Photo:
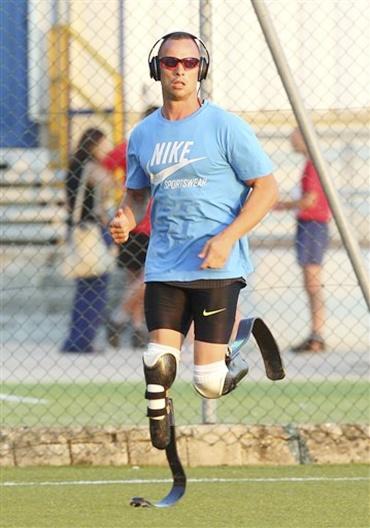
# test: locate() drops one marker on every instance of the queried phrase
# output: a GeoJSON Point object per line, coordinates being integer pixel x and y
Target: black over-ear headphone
{"type": "Point", "coordinates": [154, 67]}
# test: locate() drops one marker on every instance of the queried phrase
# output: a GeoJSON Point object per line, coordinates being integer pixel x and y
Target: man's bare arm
{"type": "Point", "coordinates": [262, 198]}
{"type": "Point", "coordinates": [134, 205]}
{"type": "Point", "coordinates": [130, 212]}
{"type": "Point", "coordinates": [260, 201]}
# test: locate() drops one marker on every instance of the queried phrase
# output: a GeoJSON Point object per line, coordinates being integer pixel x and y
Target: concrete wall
{"type": "Point", "coordinates": [201, 445]}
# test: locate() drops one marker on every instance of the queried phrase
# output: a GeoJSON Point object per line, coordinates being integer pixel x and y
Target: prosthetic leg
{"type": "Point", "coordinates": [266, 343]}
{"type": "Point", "coordinates": [237, 370]}
{"type": "Point", "coordinates": [160, 372]}
{"type": "Point", "coordinates": [218, 379]}
{"type": "Point", "coordinates": [159, 379]}
{"type": "Point", "coordinates": [178, 474]}
{"type": "Point", "coordinates": [160, 368]}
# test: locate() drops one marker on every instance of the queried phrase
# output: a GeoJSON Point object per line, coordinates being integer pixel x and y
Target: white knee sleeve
{"type": "Point", "coordinates": [155, 351]}
{"type": "Point", "coordinates": [209, 379]}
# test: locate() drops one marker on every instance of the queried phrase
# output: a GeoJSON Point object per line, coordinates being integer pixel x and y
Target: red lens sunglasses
{"type": "Point", "coordinates": [171, 63]}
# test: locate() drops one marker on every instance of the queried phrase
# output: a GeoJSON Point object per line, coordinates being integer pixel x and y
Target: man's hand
{"type": "Point", "coordinates": [216, 251]}
{"type": "Point", "coordinates": [119, 227]}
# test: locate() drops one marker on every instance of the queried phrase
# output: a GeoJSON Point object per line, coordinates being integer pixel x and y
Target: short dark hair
{"type": "Point", "coordinates": [178, 35]}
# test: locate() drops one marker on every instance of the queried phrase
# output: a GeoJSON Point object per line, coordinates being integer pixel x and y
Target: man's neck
{"type": "Point", "coordinates": [176, 110]}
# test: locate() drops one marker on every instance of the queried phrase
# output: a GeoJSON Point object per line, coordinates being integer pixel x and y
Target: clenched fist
{"type": "Point", "coordinates": [119, 227]}
{"type": "Point", "coordinates": [216, 251]}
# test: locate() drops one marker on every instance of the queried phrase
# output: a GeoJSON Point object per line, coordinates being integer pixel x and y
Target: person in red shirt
{"type": "Point", "coordinates": [311, 242]}
{"type": "Point", "coordinates": [129, 314]}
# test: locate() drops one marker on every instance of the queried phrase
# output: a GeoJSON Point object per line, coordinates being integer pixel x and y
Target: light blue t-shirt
{"type": "Point", "coordinates": [196, 168]}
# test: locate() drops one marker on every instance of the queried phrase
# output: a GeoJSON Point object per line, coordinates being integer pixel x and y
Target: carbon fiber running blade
{"type": "Point", "coordinates": [266, 343]}
{"type": "Point", "coordinates": [269, 350]}
{"type": "Point", "coordinates": [242, 336]}
{"type": "Point", "coordinates": [178, 474]}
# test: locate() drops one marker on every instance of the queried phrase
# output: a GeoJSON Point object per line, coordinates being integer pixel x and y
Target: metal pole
{"type": "Point", "coordinates": [308, 131]}
{"type": "Point", "coordinates": [121, 58]}
{"type": "Point", "coordinates": [205, 33]}
{"type": "Point", "coordinates": [55, 12]}
{"type": "Point", "coordinates": [209, 407]}
{"type": "Point", "coordinates": [63, 11]}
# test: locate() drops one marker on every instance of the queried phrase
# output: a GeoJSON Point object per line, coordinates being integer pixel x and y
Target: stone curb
{"type": "Point", "coordinates": [198, 445]}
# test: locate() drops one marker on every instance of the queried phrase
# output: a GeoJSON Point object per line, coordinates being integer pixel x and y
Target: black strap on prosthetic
{"type": "Point", "coordinates": [156, 413]}
{"type": "Point", "coordinates": [154, 395]}
{"type": "Point", "coordinates": [266, 343]}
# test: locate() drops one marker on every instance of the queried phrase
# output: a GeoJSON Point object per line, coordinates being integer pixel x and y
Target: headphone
{"type": "Point", "coordinates": [153, 62]}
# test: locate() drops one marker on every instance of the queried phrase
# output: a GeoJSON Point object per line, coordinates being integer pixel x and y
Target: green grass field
{"type": "Point", "coordinates": [123, 403]}
{"type": "Point", "coordinates": [253, 497]}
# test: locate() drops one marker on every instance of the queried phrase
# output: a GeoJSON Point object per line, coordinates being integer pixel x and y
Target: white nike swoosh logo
{"type": "Point", "coordinates": [160, 176]}
{"type": "Point", "coordinates": [213, 312]}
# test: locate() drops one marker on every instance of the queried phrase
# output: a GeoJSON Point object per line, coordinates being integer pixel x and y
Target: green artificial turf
{"type": "Point", "coordinates": [124, 404]}
{"type": "Point", "coordinates": [253, 497]}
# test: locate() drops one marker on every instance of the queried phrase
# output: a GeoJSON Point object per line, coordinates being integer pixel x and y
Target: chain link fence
{"type": "Point", "coordinates": [85, 65]}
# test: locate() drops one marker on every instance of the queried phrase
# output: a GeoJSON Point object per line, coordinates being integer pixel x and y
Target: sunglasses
{"type": "Point", "coordinates": [171, 63]}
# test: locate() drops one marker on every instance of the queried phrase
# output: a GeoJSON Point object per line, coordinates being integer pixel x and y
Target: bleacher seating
{"type": "Point", "coordinates": [32, 203]}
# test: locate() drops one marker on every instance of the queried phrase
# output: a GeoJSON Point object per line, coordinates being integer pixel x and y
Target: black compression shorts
{"type": "Point", "coordinates": [175, 307]}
